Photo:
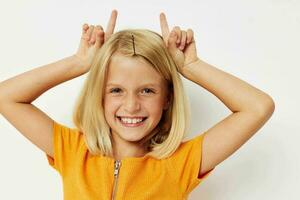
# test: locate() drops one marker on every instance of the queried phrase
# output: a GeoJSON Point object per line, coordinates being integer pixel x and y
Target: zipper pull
{"type": "Point", "coordinates": [117, 167]}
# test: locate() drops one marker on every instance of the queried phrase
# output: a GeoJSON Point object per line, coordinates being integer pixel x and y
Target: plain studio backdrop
{"type": "Point", "coordinates": [255, 40]}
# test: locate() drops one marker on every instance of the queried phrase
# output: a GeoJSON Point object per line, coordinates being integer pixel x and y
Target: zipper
{"type": "Point", "coordinates": [116, 177]}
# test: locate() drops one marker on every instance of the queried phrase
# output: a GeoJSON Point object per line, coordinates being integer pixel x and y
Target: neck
{"type": "Point", "coordinates": [123, 149]}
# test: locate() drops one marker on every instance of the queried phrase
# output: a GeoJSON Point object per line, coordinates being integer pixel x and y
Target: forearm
{"type": "Point", "coordinates": [235, 93]}
{"type": "Point", "coordinates": [28, 86]}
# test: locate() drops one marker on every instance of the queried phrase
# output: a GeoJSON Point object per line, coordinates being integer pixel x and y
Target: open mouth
{"type": "Point", "coordinates": [141, 121]}
{"type": "Point", "coordinates": [132, 124]}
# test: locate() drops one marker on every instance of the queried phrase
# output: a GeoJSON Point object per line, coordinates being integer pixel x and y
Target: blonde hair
{"type": "Point", "coordinates": [88, 115]}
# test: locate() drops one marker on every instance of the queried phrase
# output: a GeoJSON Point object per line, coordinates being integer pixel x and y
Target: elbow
{"type": "Point", "coordinates": [267, 107]}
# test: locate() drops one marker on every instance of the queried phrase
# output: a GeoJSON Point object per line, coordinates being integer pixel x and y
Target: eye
{"type": "Point", "coordinates": [114, 89]}
{"type": "Point", "coordinates": [149, 90]}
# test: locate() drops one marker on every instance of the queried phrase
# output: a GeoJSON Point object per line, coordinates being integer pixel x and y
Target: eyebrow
{"type": "Point", "coordinates": [144, 85]}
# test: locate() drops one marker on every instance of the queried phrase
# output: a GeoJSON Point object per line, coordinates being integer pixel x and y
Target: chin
{"type": "Point", "coordinates": [132, 138]}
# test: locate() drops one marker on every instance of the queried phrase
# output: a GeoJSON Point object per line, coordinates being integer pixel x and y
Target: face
{"type": "Point", "coordinates": [133, 89]}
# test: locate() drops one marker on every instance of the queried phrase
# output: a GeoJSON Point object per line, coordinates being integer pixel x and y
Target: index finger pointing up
{"type": "Point", "coordinates": [111, 24]}
{"type": "Point", "coordinates": [164, 26]}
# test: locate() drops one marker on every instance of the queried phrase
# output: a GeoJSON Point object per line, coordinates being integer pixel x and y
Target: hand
{"type": "Point", "coordinates": [180, 44]}
{"type": "Point", "coordinates": [92, 40]}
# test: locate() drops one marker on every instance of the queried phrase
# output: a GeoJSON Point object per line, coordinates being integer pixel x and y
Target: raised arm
{"type": "Point", "coordinates": [251, 108]}
{"type": "Point", "coordinates": [18, 93]}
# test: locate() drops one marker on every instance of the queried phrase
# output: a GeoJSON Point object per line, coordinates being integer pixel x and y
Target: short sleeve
{"type": "Point", "coordinates": [65, 145]}
{"type": "Point", "coordinates": [186, 164]}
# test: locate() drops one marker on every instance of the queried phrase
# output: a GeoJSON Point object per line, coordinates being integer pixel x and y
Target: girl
{"type": "Point", "coordinates": [132, 115]}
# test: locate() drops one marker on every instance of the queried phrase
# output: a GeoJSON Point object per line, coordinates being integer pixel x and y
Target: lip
{"type": "Point", "coordinates": [132, 125]}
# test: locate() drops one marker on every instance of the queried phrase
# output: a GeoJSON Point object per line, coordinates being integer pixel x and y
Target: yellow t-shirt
{"type": "Point", "coordinates": [89, 177]}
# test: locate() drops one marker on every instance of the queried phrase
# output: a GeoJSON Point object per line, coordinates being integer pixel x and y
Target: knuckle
{"type": "Point", "coordinates": [85, 26]}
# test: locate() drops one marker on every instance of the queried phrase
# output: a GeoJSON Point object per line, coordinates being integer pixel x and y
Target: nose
{"type": "Point", "coordinates": [131, 103]}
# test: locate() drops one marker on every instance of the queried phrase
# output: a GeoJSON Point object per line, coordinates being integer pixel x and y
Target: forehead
{"type": "Point", "coordinates": [123, 70]}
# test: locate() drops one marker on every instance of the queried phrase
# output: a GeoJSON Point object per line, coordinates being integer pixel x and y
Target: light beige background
{"type": "Point", "coordinates": [255, 40]}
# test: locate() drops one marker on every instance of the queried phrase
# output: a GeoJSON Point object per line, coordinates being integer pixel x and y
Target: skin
{"type": "Point", "coordinates": [130, 97]}
{"type": "Point", "coordinates": [126, 140]}
{"type": "Point", "coordinates": [92, 39]}
{"type": "Point", "coordinates": [251, 107]}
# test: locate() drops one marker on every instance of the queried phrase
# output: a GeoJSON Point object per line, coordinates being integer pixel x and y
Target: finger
{"type": "Point", "coordinates": [178, 32]}
{"type": "Point", "coordinates": [183, 40]}
{"type": "Point", "coordinates": [172, 40]}
{"type": "Point", "coordinates": [99, 27]}
{"type": "Point", "coordinates": [94, 34]}
{"type": "Point", "coordinates": [84, 35]}
{"type": "Point", "coordinates": [190, 35]}
{"type": "Point", "coordinates": [90, 32]}
{"type": "Point", "coordinates": [111, 24]}
{"type": "Point", "coordinates": [85, 27]}
{"type": "Point", "coordinates": [164, 26]}
{"type": "Point", "coordinates": [99, 39]}
{"type": "Point", "coordinates": [97, 30]}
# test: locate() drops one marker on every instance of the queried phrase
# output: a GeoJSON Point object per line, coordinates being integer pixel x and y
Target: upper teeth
{"type": "Point", "coordinates": [134, 121]}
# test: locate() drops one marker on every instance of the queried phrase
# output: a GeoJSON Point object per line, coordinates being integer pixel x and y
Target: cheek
{"type": "Point", "coordinates": [152, 106]}
{"type": "Point", "coordinates": [110, 105]}
{"type": "Point", "coordinates": [155, 108]}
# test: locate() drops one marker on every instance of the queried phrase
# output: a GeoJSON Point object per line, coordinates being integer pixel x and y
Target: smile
{"type": "Point", "coordinates": [136, 124]}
